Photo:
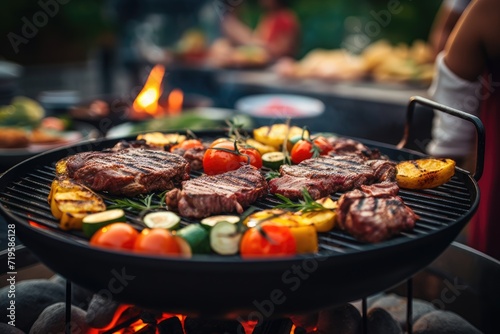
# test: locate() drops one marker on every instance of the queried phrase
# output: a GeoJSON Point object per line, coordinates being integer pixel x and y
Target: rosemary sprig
{"type": "Point", "coordinates": [272, 175]}
{"type": "Point", "coordinates": [306, 205]}
{"type": "Point", "coordinates": [139, 204]}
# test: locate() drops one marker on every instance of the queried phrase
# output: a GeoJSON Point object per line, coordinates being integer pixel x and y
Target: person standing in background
{"type": "Point", "coordinates": [446, 19]}
{"type": "Point", "coordinates": [468, 78]}
{"type": "Point", "coordinates": [277, 30]}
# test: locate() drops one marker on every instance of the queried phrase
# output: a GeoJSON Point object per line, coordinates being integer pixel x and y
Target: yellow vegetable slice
{"type": "Point", "coordinates": [275, 135]}
{"type": "Point", "coordinates": [161, 139]}
{"type": "Point", "coordinates": [71, 202]}
{"type": "Point", "coordinates": [424, 173]}
{"type": "Point", "coordinates": [262, 148]}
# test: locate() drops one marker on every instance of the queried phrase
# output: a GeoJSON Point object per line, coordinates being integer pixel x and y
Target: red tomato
{"type": "Point", "coordinates": [324, 146]}
{"type": "Point", "coordinates": [253, 154]}
{"type": "Point", "coordinates": [267, 240]}
{"type": "Point", "coordinates": [217, 161]}
{"type": "Point", "coordinates": [303, 149]}
{"type": "Point", "coordinates": [187, 144]}
{"type": "Point", "coordinates": [156, 241]}
{"type": "Point", "coordinates": [117, 235]}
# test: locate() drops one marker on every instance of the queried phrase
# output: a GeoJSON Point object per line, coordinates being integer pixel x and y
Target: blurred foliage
{"type": "Point", "coordinates": [83, 24]}
{"type": "Point", "coordinates": [323, 22]}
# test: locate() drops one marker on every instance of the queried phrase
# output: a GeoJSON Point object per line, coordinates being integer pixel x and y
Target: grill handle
{"type": "Point", "coordinates": [414, 100]}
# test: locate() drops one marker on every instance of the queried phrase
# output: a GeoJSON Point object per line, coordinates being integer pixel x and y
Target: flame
{"type": "Point", "coordinates": [32, 223]}
{"type": "Point", "coordinates": [137, 325]}
{"type": "Point", "coordinates": [175, 100]}
{"type": "Point", "coordinates": [147, 100]}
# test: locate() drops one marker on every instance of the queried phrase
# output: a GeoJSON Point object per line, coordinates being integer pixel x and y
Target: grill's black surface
{"type": "Point", "coordinates": [344, 269]}
{"type": "Point", "coordinates": [27, 199]}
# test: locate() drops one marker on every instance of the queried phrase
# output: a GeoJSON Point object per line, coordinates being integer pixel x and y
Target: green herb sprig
{"type": "Point", "coordinates": [140, 203]}
{"type": "Point", "coordinates": [306, 205]}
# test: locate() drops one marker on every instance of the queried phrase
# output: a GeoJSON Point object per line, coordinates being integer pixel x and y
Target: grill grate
{"type": "Point", "coordinates": [26, 198]}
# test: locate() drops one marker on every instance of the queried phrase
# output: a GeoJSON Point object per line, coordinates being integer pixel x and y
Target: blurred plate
{"type": "Point", "coordinates": [11, 156]}
{"type": "Point", "coordinates": [280, 106]}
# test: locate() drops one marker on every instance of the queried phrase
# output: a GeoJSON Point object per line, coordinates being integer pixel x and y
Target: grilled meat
{"type": "Point", "coordinates": [374, 213]}
{"type": "Point", "coordinates": [128, 172]}
{"type": "Point", "coordinates": [193, 155]}
{"type": "Point", "coordinates": [124, 144]}
{"type": "Point", "coordinates": [227, 192]}
{"type": "Point", "coordinates": [328, 174]}
{"type": "Point", "coordinates": [346, 146]}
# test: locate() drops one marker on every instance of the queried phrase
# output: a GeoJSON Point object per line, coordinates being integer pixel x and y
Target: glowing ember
{"type": "Point", "coordinates": [175, 100]}
{"type": "Point", "coordinates": [147, 100]}
{"type": "Point", "coordinates": [32, 223]}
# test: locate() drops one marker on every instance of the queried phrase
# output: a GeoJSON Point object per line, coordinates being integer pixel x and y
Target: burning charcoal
{"type": "Point", "coordinates": [53, 320]}
{"type": "Point", "coordinates": [344, 319]}
{"type": "Point", "coordinates": [443, 322]}
{"type": "Point", "coordinates": [396, 306]}
{"type": "Point", "coordinates": [381, 322]}
{"type": "Point", "coordinates": [306, 321]}
{"type": "Point", "coordinates": [170, 326]}
{"type": "Point", "coordinates": [8, 329]}
{"type": "Point", "coordinates": [101, 311]}
{"type": "Point", "coordinates": [80, 296]}
{"type": "Point", "coordinates": [299, 330]}
{"type": "Point", "coordinates": [211, 326]}
{"type": "Point", "coordinates": [32, 297]}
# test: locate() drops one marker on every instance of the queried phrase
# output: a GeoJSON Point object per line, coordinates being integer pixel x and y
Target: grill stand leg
{"type": "Point", "coordinates": [364, 308]}
{"type": "Point", "coordinates": [68, 307]}
{"type": "Point", "coordinates": [409, 306]}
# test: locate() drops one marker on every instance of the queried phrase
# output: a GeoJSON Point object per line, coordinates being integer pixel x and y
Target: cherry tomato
{"type": "Point", "coordinates": [222, 158]}
{"type": "Point", "coordinates": [117, 235]}
{"type": "Point", "coordinates": [267, 240]}
{"type": "Point", "coordinates": [303, 149]}
{"type": "Point", "coordinates": [156, 241]}
{"type": "Point", "coordinates": [187, 144]}
{"type": "Point", "coordinates": [324, 146]}
{"type": "Point", "coordinates": [253, 154]}
{"type": "Point", "coordinates": [218, 161]}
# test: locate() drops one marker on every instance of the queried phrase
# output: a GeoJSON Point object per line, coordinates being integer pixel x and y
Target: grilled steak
{"type": "Point", "coordinates": [374, 213]}
{"type": "Point", "coordinates": [346, 146]}
{"type": "Point", "coordinates": [124, 144]}
{"type": "Point", "coordinates": [328, 174]}
{"type": "Point", "coordinates": [227, 192]}
{"type": "Point", "coordinates": [193, 155]}
{"type": "Point", "coordinates": [128, 172]}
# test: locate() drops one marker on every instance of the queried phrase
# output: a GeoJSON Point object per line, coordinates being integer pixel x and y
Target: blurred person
{"type": "Point", "coordinates": [447, 17]}
{"type": "Point", "coordinates": [277, 31]}
{"type": "Point", "coordinates": [468, 78]}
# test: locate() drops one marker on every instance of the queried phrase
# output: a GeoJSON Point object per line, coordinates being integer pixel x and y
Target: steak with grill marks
{"type": "Point", "coordinates": [328, 174]}
{"type": "Point", "coordinates": [129, 171]}
{"type": "Point", "coordinates": [374, 213]}
{"type": "Point", "coordinates": [227, 192]}
{"type": "Point", "coordinates": [347, 146]}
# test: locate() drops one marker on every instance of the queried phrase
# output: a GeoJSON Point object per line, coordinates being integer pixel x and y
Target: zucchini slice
{"type": "Point", "coordinates": [91, 223]}
{"type": "Point", "coordinates": [225, 238]}
{"type": "Point", "coordinates": [273, 160]}
{"type": "Point", "coordinates": [162, 219]}
{"type": "Point", "coordinates": [193, 239]}
{"type": "Point", "coordinates": [210, 222]}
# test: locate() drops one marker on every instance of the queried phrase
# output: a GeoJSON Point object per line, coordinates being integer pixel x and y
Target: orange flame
{"type": "Point", "coordinates": [175, 100]}
{"type": "Point", "coordinates": [147, 100]}
{"type": "Point", "coordinates": [32, 223]}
